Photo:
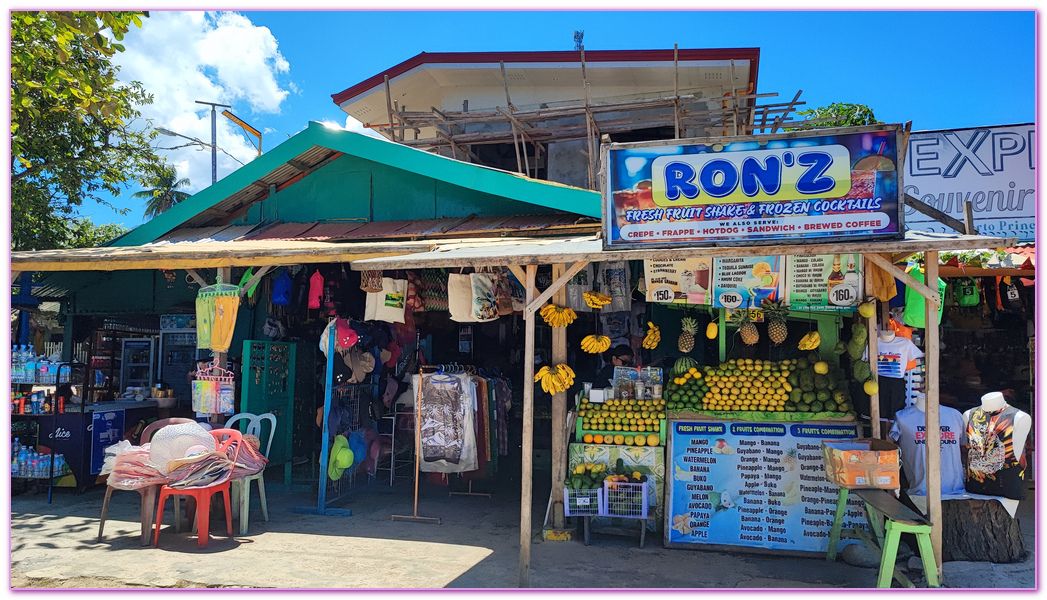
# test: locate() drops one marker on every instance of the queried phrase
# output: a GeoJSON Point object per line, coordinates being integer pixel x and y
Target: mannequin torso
{"type": "Point", "coordinates": [996, 435]}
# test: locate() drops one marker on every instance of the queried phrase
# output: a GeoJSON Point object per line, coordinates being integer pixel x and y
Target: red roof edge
{"type": "Point", "coordinates": [752, 54]}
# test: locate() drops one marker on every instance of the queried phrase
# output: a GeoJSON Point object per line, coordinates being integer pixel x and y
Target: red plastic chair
{"type": "Point", "coordinates": [203, 495]}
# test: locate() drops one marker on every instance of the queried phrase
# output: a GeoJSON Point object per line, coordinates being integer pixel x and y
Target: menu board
{"type": "Point", "coordinates": [824, 282]}
{"type": "Point", "coordinates": [753, 484]}
{"type": "Point", "coordinates": [684, 281]}
{"type": "Point", "coordinates": [746, 282]}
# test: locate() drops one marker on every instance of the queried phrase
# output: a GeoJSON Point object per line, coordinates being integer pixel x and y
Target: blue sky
{"type": "Point", "coordinates": [278, 69]}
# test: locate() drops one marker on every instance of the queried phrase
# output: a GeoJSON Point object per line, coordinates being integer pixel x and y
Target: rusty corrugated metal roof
{"type": "Point", "coordinates": [221, 233]}
{"type": "Point", "coordinates": [282, 231]}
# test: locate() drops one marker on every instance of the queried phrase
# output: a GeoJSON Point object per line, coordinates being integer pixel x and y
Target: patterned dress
{"type": "Point", "coordinates": [992, 467]}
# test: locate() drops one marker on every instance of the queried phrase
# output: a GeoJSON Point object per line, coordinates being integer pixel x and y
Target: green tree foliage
{"type": "Point", "coordinates": [163, 193]}
{"type": "Point", "coordinates": [72, 123]}
{"type": "Point", "coordinates": [85, 234]}
{"type": "Point", "coordinates": [841, 114]}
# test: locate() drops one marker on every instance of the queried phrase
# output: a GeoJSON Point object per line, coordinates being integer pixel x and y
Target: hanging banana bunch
{"type": "Point", "coordinates": [595, 344]}
{"type": "Point", "coordinates": [653, 336]}
{"type": "Point", "coordinates": [596, 299]}
{"type": "Point", "coordinates": [558, 316]}
{"type": "Point", "coordinates": [555, 379]}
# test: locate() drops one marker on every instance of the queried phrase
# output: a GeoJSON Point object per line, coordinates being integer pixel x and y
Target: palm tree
{"type": "Point", "coordinates": [164, 193]}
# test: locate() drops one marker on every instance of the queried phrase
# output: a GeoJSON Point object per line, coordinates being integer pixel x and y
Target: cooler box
{"type": "Point", "coordinates": [861, 463]}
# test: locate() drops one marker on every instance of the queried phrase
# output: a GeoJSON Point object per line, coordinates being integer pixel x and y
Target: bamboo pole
{"type": "Point", "coordinates": [389, 109]}
{"type": "Point", "coordinates": [512, 125]}
{"type": "Point", "coordinates": [559, 408]}
{"type": "Point", "coordinates": [527, 446]}
{"type": "Point", "coordinates": [933, 423]}
{"type": "Point", "coordinates": [874, 399]}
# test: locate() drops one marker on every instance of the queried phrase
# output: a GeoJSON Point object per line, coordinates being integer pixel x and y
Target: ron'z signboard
{"type": "Point", "coordinates": [812, 186]}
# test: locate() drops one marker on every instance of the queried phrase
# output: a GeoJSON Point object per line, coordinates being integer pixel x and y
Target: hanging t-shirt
{"type": "Point", "coordinates": [915, 303]}
{"type": "Point", "coordinates": [615, 325]}
{"type": "Point", "coordinates": [1009, 298]}
{"type": "Point", "coordinates": [910, 433]}
{"type": "Point", "coordinates": [579, 284]}
{"type": "Point", "coordinates": [893, 358]}
{"type": "Point", "coordinates": [992, 467]}
{"type": "Point", "coordinates": [614, 282]}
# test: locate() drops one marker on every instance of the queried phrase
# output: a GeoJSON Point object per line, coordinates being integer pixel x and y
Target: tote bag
{"type": "Point", "coordinates": [387, 305]}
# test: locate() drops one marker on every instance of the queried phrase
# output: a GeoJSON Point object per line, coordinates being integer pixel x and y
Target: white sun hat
{"type": "Point", "coordinates": [173, 441]}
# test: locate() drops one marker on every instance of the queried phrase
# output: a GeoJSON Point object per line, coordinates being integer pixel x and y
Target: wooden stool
{"type": "Point", "coordinates": [888, 520]}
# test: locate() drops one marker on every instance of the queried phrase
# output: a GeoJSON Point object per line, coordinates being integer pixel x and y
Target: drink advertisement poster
{"type": "Point", "coordinates": [685, 281]}
{"type": "Point", "coordinates": [754, 484]}
{"type": "Point", "coordinates": [824, 282]}
{"type": "Point", "coordinates": [800, 187]}
{"type": "Point", "coordinates": [745, 282]}
{"type": "Point", "coordinates": [107, 428]}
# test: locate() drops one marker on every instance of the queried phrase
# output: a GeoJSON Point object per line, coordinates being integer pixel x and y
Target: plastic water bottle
{"type": "Point", "coordinates": [23, 458]}
{"type": "Point", "coordinates": [15, 367]}
{"type": "Point", "coordinates": [15, 447]}
{"type": "Point", "coordinates": [30, 366]}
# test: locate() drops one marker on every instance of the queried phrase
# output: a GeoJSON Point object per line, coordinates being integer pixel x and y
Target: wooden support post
{"type": "Point", "coordinates": [558, 283]}
{"type": "Point", "coordinates": [527, 445]}
{"type": "Point", "coordinates": [933, 424]}
{"type": "Point", "coordinates": [196, 277]}
{"type": "Point", "coordinates": [559, 410]}
{"type": "Point", "coordinates": [874, 400]}
{"type": "Point", "coordinates": [968, 218]}
{"type": "Point", "coordinates": [509, 105]}
{"type": "Point", "coordinates": [676, 88]}
{"type": "Point", "coordinates": [389, 109]}
{"type": "Point", "coordinates": [254, 279]}
{"type": "Point", "coordinates": [781, 118]}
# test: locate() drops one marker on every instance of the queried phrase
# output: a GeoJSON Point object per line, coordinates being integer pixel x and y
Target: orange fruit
{"type": "Point", "coordinates": [619, 439]}
{"type": "Point", "coordinates": [587, 438]}
{"type": "Point", "coordinates": [598, 439]}
{"type": "Point", "coordinates": [640, 440]}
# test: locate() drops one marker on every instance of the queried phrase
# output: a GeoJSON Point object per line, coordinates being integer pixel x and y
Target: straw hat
{"type": "Point", "coordinates": [341, 458]}
{"type": "Point", "coordinates": [175, 441]}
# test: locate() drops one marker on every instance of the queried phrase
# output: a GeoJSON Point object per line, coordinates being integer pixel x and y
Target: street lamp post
{"type": "Point", "coordinates": [214, 138]}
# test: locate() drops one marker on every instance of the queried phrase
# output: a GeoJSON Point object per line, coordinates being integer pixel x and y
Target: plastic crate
{"type": "Point", "coordinates": [624, 500]}
{"type": "Point", "coordinates": [582, 503]}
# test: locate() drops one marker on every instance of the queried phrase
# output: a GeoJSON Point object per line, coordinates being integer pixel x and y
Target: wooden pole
{"type": "Point", "coordinates": [512, 125]}
{"type": "Point", "coordinates": [527, 448]}
{"type": "Point", "coordinates": [874, 399]}
{"type": "Point", "coordinates": [676, 88]}
{"type": "Point", "coordinates": [559, 409]}
{"type": "Point", "coordinates": [226, 275]}
{"type": "Point", "coordinates": [389, 109]}
{"type": "Point", "coordinates": [933, 424]}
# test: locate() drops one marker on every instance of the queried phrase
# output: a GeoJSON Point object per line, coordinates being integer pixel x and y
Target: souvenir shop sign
{"type": "Point", "coordinates": [685, 281]}
{"type": "Point", "coordinates": [841, 184]}
{"type": "Point", "coordinates": [824, 282]}
{"type": "Point", "coordinates": [745, 282]}
{"type": "Point", "coordinates": [753, 484]}
{"type": "Point", "coordinates": [992, 167]}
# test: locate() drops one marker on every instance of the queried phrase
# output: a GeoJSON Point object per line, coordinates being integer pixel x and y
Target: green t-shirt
{"type": "Point", "coordinates": [915, 303]}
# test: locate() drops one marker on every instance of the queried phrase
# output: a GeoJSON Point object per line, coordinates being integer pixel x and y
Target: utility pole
{"type": "Point", "coordinates": [214, 138]}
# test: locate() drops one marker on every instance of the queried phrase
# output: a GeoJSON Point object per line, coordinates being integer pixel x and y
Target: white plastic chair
{"type": "Point", "coordinates": [242, 487]}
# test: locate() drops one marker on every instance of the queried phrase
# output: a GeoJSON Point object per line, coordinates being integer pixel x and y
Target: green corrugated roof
{"type": "Point", "coordinates": [475, 177]}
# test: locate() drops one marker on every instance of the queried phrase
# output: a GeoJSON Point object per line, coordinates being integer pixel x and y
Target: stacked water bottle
{"type": "Point", "coordinates": [26, 367]}
{"type": "Point", "coordinates": [27, 463]}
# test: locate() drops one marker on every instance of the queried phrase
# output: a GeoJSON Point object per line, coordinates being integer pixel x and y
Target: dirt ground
{"type": "Point", "coordinates": [475, 546]}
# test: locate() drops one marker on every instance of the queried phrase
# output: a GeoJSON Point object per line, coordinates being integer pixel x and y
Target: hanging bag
{"type": "Point", "coordinates": [966, 292]}
{"type": "Point", "coordinates": [389, 303]}
{"type": "Point", "coordinates": [460, 298]}
{"type": "Point", "coordinates": [282, 289]}
{"type": "Point", "coordinates": [371, 281]}
{"type": "Point", "coordinates": [316, 289]}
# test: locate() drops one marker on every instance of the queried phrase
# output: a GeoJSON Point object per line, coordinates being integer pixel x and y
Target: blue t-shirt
{"type": "Point", "coordinates": [908, 430]}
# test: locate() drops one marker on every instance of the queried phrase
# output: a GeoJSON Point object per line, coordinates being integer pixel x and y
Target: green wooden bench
{"type": "Point", "coordinates": [888, 520]}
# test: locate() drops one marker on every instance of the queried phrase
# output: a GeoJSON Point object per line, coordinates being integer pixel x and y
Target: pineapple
{"type": "Point", "coordinates": [747, 328]}
{"type": "Point", "coordinates": [776, 314]}
{"type": "Point", "coordinates": [789, 460]}
{"type": "Point", "coordinates": [686, 341]}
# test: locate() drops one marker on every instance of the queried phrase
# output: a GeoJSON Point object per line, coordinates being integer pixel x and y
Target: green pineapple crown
{"type": "Point", "coordinates": [689, 325]}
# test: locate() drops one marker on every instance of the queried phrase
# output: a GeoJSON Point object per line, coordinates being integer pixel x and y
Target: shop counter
{"type": "Point", "coordinates": [83, 436]}
{"type": "Point", "coordinates": [745, 482]}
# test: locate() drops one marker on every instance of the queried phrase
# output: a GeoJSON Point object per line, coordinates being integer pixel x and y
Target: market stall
{"type": "Point", "coordinates": [637, 218]}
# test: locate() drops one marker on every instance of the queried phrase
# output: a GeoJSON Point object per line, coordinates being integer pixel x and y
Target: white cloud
{"type": "Point", "coordinates": [268, 130]}
{"type": "Point", "coordinates": [182, 57]}
{"type": "Point", "coordinates": [353, 125]}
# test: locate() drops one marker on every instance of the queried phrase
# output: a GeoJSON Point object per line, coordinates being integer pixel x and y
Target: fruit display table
{"type": "Point", "coordinates": [646, 460]}
{"type": "Point", "coordinates": [752, 483]}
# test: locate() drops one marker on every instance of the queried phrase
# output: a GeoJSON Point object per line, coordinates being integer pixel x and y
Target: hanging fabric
{"type": "Point", "coordinates": [282, 288]}
{"type": "Point", "coordinates": [503, 292]}
{"type": "Point", "coordinates": [448, 417]}
{"type": "Point", "coordinates": [415, 292]}
{"type": "Point", "coordinates": [216, 308]}
{"type": "Point", "coordinates": [518, 293]}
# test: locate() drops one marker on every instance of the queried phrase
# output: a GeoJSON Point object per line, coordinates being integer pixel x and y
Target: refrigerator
{"type": "Point", "coordinates": [178, 356]}
{"type": "Point", "coordinates": [137, 366]}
